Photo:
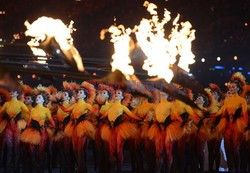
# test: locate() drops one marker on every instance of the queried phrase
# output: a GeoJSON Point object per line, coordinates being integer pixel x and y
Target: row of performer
{"type": "Point", "coordinates": [39, 123]}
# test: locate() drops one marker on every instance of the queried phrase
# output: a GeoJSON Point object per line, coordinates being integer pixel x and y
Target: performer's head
{"type": "Point", "coordinates": [119, 95]}
{"type": "Point", "coordinates": [201, 100]}
{"type": "Point", "coordinates": [15, 94]}
{"type": "Point", "coordinates": [41, 98]}
{"type": "Point", "coordinates": [236, 84]}
{"type": "Point", "coordinates": [86, 92]}
{"type": "Point", "coordinates": [136, 101]}
{"type": "Point", "coordinates": [205, 99]}
{"type": "Point", "coordinates": [29, 99]}
{"type": "Point", "coordinates": [67, 95]}
{"type": "Point", "coordinates": [104, 93]}
{"type": "Point", "coordinates": [216, 92]}
{"type": "Point", "coordinates": [82, 93]}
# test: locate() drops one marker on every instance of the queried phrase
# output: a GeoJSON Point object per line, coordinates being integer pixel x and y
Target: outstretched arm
{"type": "Point", "coordinates": [67, 109]}
{"type": "Point", "coordinates": [130, 114]}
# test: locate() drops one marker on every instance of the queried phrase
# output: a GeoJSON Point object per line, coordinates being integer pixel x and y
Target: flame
{"type": "Point", "coordinates": [46, 26]}
{"type": "Point", "coordinates": [161, 51]}
{"type": "Point", "coordinates": [120, 37]}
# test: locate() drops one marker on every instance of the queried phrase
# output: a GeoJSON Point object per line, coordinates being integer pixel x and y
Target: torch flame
{"type": "Point", "coordinates": [121, 40]}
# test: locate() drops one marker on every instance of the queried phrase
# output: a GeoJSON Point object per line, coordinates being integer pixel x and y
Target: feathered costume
{"type": "Point", "coordinates": [215, 137]}
{"type": "Point", "coordinates": [118, 129]}
{"type": "Point", "coordinates": [11, 125]}
{"type": "Point", "coordinates": [234, 120]}
{"type": "Point", "coordinates": [166, 129]}
{"type": "Point", "coordinates": [29, 99]}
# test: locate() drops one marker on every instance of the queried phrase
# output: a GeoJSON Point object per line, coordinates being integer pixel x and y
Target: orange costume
{"type": "Point", "coordinates": [117, 130]}
{"type": "Point", "coordinates": [80, 127]}
{"type": "Point", "coordinates": [165, 130]}
{"type": "Point", "coordinates": [234, 120]}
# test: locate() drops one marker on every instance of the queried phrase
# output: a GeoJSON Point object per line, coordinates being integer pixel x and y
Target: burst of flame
{"type": "Point", "coordinates": [160, 49]}
{"type": "Point", "coordinates": [121, 40]}
{"type": "Point", "coordinates": [46, 26]}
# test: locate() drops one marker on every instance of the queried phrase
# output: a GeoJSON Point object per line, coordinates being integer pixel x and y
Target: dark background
{"type": "Point", "coordinates": [222, 29]}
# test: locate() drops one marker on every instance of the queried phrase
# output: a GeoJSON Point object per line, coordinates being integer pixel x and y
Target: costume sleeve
{"type": "Point", "coordinates": [67, 109]}
{"type": "Point", "coordinates": [50, 118]}
{"type": "Point", "coordinates": [130, 114]}
{"type": "Point", "coordinates": [194, 116]}
{"type": "Point", "coordinates": [24, 108]}
{"type": "Point", "coordinates": [244, 110]}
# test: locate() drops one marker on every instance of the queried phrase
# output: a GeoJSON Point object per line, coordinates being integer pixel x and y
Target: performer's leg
{"type": "Point", "coordinates": [120, 144]}
{"type": "Point", "coordinates": [228, 149]}
{"type": "Point", "coordinates": [169, 156]}
{"type": "Point", "coordinates": [217, 154]}
{"type": "Point", "coordinates": [211, 154]}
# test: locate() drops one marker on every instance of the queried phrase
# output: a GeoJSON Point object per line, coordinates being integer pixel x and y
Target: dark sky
{"type": "Point", "coordinates": [222, 26]}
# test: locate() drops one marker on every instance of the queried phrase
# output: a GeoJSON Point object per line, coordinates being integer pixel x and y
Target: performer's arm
{"type": "Point", "coordinates": [194, 116]}
{"type": "Point", "coordinates": [24, 108]}
{"type": "Point", "coordinates": [67, 109]}
{"type": "Point", "coordinates": [130, 114]}
{"type": "Point", "coordinates": [52, 122]}
{"type": "Point", "coordinates": [244, 110]}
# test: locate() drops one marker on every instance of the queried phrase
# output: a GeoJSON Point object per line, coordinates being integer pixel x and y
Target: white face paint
{"type": "Point", "coordinates": [102, 97]}
{"type": "Point", "coordinates": [135, 102]}
{"type": "Point", "coordinates": [28, 100]}
{"type": "Point", "coordinates": [39, 99]}
{"type": "Point", "coordinates": [14, 94]}
{"type": "Point", "coordinates": [65, 96]}
{"type": "Point", "coordinates": [118, 95]}
{"type": "Point", "coordinates": [200, 100]}
{"type": "Point", "coordinates": [215, 95]}
{"type": "Point", "coordinates": [233, 89]}
{"type": "Point", "coordinates": [81, 94]}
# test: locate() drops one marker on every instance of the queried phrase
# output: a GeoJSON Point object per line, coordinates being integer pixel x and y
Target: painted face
{"type": "Point", "coordinates": [65, 96]}
{"type": "Point", "coordinates": [28, 100]}
{"type": "Point", "coordinates": [39, 99]}
{"type": "Point", "coordinates": [200, 100]}
{"type": "Point", "coordinates": [233, 88]}
{"type": "Point", "coordinates": [102, 97]}
{"type": "Point", "coordinates": [81, 94]}
{"type": "Point", "coordinates": [14, 94]}
{"type": "Point", "coordinates": [135, 102]}
{"type": "Point", "coordinates": [215, 95]}
{"type": "Point", "coordinates": [228, 94]}
{"type": "Point", "coordinates": [118, 95]}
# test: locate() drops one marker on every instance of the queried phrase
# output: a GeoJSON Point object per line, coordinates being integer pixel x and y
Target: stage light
{"type": "Point", "coordinates": [248, 73]}
{"type": "Point", "coordinates": [33, 76]}
{"type": "Point", "coordinates": [58, 51]}
{"type": "Point", "coordinates": [64, 75]}
{"type": "Point", "coordinates": [218, 58]}
{"type": "Point", "coordinates": [18, 76]}
{"type": "Point", "coordinates": [233, 68]}
{"type": "Point", "coordinates": [218, 67]}
{"type": "Point", "coordinates": [240, 68]}
{"type": "Point", "coordinates": [246, 24]}
{"type": "Point", "coordinates": [235, 58]}
{"type": "Point", "coordinates": [94, 74]}
{"type": "Point", "coordinates": [203, 60]}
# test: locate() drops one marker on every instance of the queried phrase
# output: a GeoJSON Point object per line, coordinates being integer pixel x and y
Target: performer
{"type": "Point", "coordinates": [29, 99]}
{"type": "Point", "coordinates": [36, 135]}
{"type": "Point", "coordinates": [234, 120]}
{"type": "Point", "coordinates": [80, 127]}
{"type": "Point", "coordinates": [165, 130]}
{"type": "Point", "coordinates": [4, 97]}
{"type": "Point", "coordinates": [198, 140]}
{"type": "Point", "coordinates": [104, 100]}
{"type": "Point", "coordinates": [189, 121]}
{"type": "Point", "coordinates": [245, 144]}
{"type": "Point", "coordinates": [145, 110]}
{"type": "Point", "coordinates": [11, 125]}
{"type": "Point", "coordinates": [214, 143]}
{"type": "Point", "coordinates": [118, 129]}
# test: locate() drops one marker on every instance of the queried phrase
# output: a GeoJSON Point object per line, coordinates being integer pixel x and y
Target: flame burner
{"type": "Point", "coordinates": [52, 36]}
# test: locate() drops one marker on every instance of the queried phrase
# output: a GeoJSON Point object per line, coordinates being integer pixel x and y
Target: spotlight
{"type": "Point", "coordinates": [203, 60]}
{"type": "Point", "coordinates": [235, 58]}
{"type": "Point", "coordinates": [218, 58]}
{"type": "Point", "coordinates": [18, 76]}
